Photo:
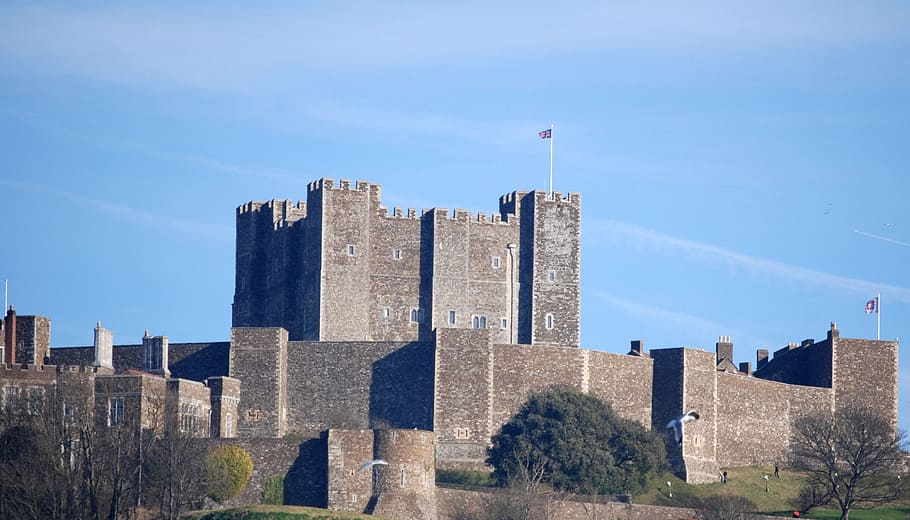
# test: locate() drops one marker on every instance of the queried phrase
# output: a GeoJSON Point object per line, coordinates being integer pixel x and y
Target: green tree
{"type": "Point", "coordinates": [576, 443]}
{"type": "Point", "coordinates": [852, 458]}
{"type": "Point", "coordinates": [228, 470]}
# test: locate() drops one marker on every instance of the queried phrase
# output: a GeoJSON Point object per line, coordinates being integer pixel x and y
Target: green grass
{"type": "Point", "coordinates": [273, 512]}
{"type": "Point", "coordinates": [780, 499]}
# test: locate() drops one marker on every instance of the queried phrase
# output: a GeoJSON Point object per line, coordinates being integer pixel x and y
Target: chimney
{"type": "Point", "coordinates": [833, 333]}
{"type": "Point", "coordinates": [761, 359]}
{"type": "Point", "coordinates": [745, 368]}
{"type": "Point", "coordinates": [724, 348]}
{"type": "Point", "coordinates": [154, 355]}
{"type": "Point", "coordinates": [104, 348]}
{"type": "Point", "coordinates": [9, 328]}
{"type": "Point", "coordinates": [637, 347]}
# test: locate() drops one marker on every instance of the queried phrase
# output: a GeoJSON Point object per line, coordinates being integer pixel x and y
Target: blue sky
{"type": "Point", "coordinates": [743, 165]}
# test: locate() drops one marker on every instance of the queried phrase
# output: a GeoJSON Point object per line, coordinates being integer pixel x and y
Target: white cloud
{"type": "Point", "coordinates": [713, 255]}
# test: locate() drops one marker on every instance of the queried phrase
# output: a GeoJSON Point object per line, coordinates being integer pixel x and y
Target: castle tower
{"type": "Point", "coordinates": [259, 358]}
{"type": "Point", "coordinates": [549, 294]}
{"type": "Point", "coordinates": [154, 355]}
{"type": "Point", "coordinates": [406, 487]}
{"type": "Point", "coordinates": [343, 268]}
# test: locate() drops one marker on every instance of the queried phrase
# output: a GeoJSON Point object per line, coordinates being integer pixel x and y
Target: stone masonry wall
{"type": "Point", "coordinates": [557, 269]}
{"type": "Point", "coordinates": [865, 374]}
{"type": "Point", "coordinates": [359, 385]}
{"type": "Point", "coordinates": [480, 386]}
{"type": "Point", "coordinates": [624, 382]}
{"type": "Point", "coordinates": [755, 418]}
{"type": "Point", "coordinates": [462, 418]}
{"type": "Point", "coordinates": [395, 271]}
{"type": "Point", "coordinates": [345, 293]}
{"type": "Point", "coordinates": [259, 360]}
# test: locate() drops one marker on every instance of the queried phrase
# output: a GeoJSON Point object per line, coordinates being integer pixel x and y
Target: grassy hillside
{"type": "Point", "coordinates": [268, 512]}
{"type": "Point", "coordinates": [778, 498]}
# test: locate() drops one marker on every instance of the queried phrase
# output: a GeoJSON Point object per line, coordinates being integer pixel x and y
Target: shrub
{"type": "Point", "coordinates": [273, 491]}
{"type": "Point", "coordinates": [228, 470]}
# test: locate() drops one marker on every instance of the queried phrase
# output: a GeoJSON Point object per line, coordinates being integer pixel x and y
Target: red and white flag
{"type": "Point", "coordinates": [546, 134]}
{"type": "Point", "coordinates": [872, 306]}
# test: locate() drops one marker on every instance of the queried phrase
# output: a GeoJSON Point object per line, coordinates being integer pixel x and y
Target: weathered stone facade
{"type": "Point", "coordinates": [358, 334]}
{"type": "Point", "coordinates": [342, 267]}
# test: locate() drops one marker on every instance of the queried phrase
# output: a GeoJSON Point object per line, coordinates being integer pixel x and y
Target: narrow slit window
{"type": "Point", "coordinates": [351, 250]}
{"type": "Point", "coordinates": [549, 320]}
{"type": "Point", "coordinates": [496, 262]}
{"type": "Point", "coordinates": [451, 317]}
{"type": "Point", "coordinates": [396, 254]}
{"type": "Point", "coordinates": [551, 276]}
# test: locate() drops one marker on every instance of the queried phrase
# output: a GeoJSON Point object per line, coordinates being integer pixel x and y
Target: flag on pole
{"type": "Point", "coordinates": [872, 305]}
{"type": "Point", "coordinates": [546, 134]}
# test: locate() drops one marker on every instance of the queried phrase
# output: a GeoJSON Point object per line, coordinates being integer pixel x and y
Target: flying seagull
{"type": "Point", "coordinates": [677, 424]}
{"type": "Point", "coordinates": [374, 462]}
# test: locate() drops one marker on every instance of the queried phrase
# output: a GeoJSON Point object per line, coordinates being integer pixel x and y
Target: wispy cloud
{"type": "Point", "coordinates": [697, 325]}
{"type": "Point", "coordinates": [213, 47]}
{"type": "Point", "coordinates": [879, 237]}
{"type": "Point", "coordinates": [713, 255]}
{"type": "Point", "coordinates": [166, 222]}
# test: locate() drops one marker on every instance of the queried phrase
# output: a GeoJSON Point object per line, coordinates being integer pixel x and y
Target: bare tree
{"type": "Point", "coordinates": [852, 458]}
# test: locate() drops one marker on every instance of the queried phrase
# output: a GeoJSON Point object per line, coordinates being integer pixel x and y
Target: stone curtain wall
{"type": "Point", "coordinates": [479, 387]}
{"type": "Point", "coordinates": [624, 382]}
{"type": "Point", "coordinates": [756, 418]}
{"type": "Point", "coordinates": [359, 385]}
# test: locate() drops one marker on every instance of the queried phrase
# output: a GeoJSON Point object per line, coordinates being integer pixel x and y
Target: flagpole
{"type": "Point", "coordinates": [878, 307]}
{"type": "Point", "coordinates": [550, 193]}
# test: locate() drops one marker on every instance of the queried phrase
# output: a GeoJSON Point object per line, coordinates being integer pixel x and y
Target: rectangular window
{"type": "Point", "coordinates": [451, 317]}
{"type": "Point", "coordinates": [115, 411]}
{"type": "Point", "coordinates": [504, 323]}
{"type": "Point", "coordinates": [495, 262]}
{"type": "Point", "coordinates": [350, 250]}
{"type": "Point", "coordinates": [396, 254]}
{"type": "Point", "coordinates": [551, 276]}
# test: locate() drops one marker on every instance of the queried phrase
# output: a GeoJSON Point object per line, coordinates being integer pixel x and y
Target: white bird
{"type": "Point", "coordinates": [677, 424]}
{"type": "Point", "coordinates": [374, 462]}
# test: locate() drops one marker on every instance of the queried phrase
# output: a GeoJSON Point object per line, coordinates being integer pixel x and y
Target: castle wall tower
{"type": "Point", "coordinates": [556, 303]}
{"type": "Point", "coordinates": [259, 358]}
{"type": "Point", "coordinates": [345, 295]}
{"type": "Point", "coordinates": [688, 382]}
{"type": "Point", "coordinates": [225, 395]}
{"type": "Point", "coordinates": [350, 488]}
{"type": "Point", "coordinates": [865, 373]}
{"type": "Point", "coordinates": [406, 487]}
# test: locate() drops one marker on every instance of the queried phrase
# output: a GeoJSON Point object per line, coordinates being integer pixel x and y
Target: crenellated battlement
{"type": "Point", "coordinates": [327, 183]}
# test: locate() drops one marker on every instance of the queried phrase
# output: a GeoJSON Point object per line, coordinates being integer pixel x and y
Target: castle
{"type": "Point", "coordinates": [367, 331]}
